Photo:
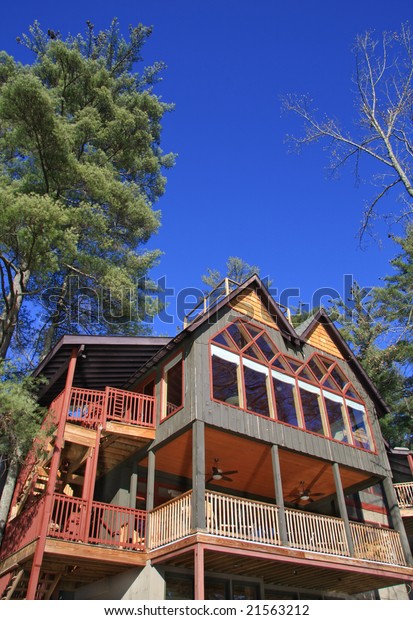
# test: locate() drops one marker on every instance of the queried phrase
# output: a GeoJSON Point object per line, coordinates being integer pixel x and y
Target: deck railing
{"type": "Point", "coordinates": [170, 522]}
{"type": "Point", "coordinates": [93, 407]}
{"type": "Point", "coordinates": [236, 517]}
{"type": "Point", "coordinates": [252, 521]}
{"type": "Point", "coordinates": [24, 528]}
{"type": "Point", "coordinates": [315, 532]}
{"type": "Point", "coordinates": [378, 544]}
{"type": "Point", "coordinates": [113, 526]}
{"type": "Point", "coordinates": [404, 492]}
{"type": "Point", "coordinates": [130, 407]}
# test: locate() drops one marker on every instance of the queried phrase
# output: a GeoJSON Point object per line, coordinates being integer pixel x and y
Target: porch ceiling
{"type": "Point", "coordinates": [253, 463]}
{"type": "Point", "coordinates": [104, 360]}
{"type": "Point", "coordinates": [296, 574]}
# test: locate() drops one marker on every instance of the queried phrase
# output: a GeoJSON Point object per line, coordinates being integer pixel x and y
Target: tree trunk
{"type": "Point", "coordinates": [11, 312]}
{"type": "Point", "coordinates": [55, 320]}
{"type": "Point", "coordinates": [7, 495]}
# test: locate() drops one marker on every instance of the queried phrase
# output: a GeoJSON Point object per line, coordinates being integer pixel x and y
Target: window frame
{"type": "Point", "coordinates": [299, 382]}
{"type": "Point", "coordinates": [178, 357]}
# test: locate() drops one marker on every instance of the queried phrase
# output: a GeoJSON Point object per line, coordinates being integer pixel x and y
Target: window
{"type": "Point", "coordinates": [173, 393]}
{"type": "Point", "coordinates": [358, 424]}
{"type": "Point", "coordinates": [311, 407]}
{"type": "Point", "coordinates": [256, 394]}
{"type": "Point", "coordinates": [336, 419]}
{"type": "Point", "coordinates": [284, 391]}
{"type": "Point", "coordinates": [225, 372]}
{"type": "Point", "coordinates": [249, 372]}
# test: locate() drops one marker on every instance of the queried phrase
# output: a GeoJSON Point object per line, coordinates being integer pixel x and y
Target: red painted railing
{"type": "Point", "coordinates": [113, 526]}
{"type": "Point", "coordinates": [129, 407]}
{"type": "Point", "coordinates": [116, 526]}
{"type": "Point", "coordinates": [93, 407]}
{"type": "Point", "coordinates": [24, 528]}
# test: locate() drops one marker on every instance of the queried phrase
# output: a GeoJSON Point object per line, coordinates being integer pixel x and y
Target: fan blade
{"type": "Point", "coordinates": [228, 473]}
{"type": "Point", "coordinates": [208, 481]}
{"type": "Point", "coordinates": [226, 478]}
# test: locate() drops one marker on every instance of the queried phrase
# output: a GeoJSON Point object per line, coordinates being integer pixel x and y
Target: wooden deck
{"type": "Point", "coordinates": [404, 492]}
{"type": "Point", "coordinates": [240, 519]}
{"type": "Point", "coordinates": [93, 408]}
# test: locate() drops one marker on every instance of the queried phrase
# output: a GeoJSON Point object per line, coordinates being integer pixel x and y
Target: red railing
{"type": "Point", "coordinates": [86, 407]}
{"type": "Point", "coordinates": [117, 527]}
{"type": "Point", "coordinates": [129, 407]}
{"type": "Point", "coordinates": [114, 526]}
{"type": "Point", "coordinates": [24, 528]}
{"type": "Point", "coordinates": [68, 518]}
{"type": "Point", "coordinates": [93, 407]}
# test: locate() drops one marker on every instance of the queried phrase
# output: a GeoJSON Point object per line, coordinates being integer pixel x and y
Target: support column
{"type": "Point", "coordinates": [410, 461]}
{"type": "Point", "coordinates": [150, 484]}
{"type": "Point", "coordinates": [279, 497]}
{"type": "Point", "coordinates": [342, 507]}
{"type": "Point", "coordinates": [199, 581]}
{"type": "Point", "coordinates": [133, 488]}
{"type": "Point", "coordinates": [396, 517]}
{"type": "Point", "coordinates": [90, 484]}
{"type": "Point", "coordinates": [198, 476]}
{"type": "Point", "coordinates": [51, 483]}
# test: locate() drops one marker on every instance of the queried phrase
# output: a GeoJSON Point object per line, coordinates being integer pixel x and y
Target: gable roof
{"type": "Point", "coordinates": [322, 318]}
{"type": "Point", "coordinates": [119, 361]}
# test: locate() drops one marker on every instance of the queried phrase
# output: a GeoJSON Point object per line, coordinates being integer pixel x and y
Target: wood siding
{"type": "Point", "coordinates": [248, 303]}
{"type": "Point", "coordinates": [321, 340]}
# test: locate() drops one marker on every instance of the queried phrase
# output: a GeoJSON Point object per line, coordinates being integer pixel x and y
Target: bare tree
{"type": "Point", "coordinates": [384, 128]}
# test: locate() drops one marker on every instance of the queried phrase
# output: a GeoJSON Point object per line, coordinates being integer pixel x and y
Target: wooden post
{"type": "Point", "coordinates": [133, 488]}
{"type": "Point", "coordinates": [198, 476]}
{"type": "Point", "coordinates": [396, 517]}
{"type": "Point", "coordinates": [279, 498]}
{"type": "Point", "coordinates": [91, 486]}
{"type": "Point", "coordinates": [51, 482]}
{"type": "Point", "coordinates": [199, 585]}
{"type": "Point", "coordinates": [150, 485]}
{"type": "Point", "coordinates": [410, 461]}
{"type": "Point", "coordinates": [342, 507]}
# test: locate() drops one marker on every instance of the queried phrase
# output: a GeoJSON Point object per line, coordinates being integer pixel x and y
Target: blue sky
{"type": "Point", "coordinates": [236, 190]}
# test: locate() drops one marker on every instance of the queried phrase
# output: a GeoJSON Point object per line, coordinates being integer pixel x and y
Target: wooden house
{"type": "Point", "coordinates": [216, 464]}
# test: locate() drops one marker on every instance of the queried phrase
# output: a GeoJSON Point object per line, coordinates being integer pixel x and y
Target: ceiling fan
{"type": "Point", "coordinates": [218, 474]}
{"type": "Point", "coordinates": [303, 494]}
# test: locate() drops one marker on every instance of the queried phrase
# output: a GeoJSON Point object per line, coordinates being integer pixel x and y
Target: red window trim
{"type": "Point", "coordinates": [165, 367]}
{"type": "Point", "coordinates": [273, 405]}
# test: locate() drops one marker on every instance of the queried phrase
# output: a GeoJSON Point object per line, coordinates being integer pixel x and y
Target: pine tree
{"type": "Point", "coordinates": [80, 172]}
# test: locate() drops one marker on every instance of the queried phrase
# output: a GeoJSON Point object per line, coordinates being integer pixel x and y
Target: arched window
{"type": "Point", "coordinates": [250, 373]}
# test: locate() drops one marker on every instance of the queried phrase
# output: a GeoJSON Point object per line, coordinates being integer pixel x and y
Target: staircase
{"type": "Point", "coordinates": [17, 587]}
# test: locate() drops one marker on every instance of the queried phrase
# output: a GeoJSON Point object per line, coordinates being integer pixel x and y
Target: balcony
{"type": "Point", "coordinates": [75, 520]}
{"type": "Point", "coordinates": [97, 523]}
{"type": "Point", "coordinates": [257, 522]}
{"type": "Point", "coordinates": [404, 492]}
{"type": "Point", "coordinates": [93, 408]}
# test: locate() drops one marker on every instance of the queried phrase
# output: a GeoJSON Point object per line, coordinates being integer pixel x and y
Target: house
{"type": "Point", "coordinates": [219, 463]}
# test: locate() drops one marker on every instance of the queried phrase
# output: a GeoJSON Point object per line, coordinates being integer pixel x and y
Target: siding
{"type": "Point", "coordinates": [249, 303]}
{"type": "Point", "coordinates": [320, 339]}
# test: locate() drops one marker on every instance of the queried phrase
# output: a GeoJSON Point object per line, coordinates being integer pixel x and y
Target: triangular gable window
{"type": "Point", "coordinates": [317, 368]}
{"type": "Point", "coordinates": [281, 363]}
{"type": "Point", "coordinates": [267, 347]}
{"type": "Point", "coordinates": [254, 331]}
{"type": "Point", "coordinates": [339, 377]}
{"type": "Point", "coordinates": [223, 338]}
{"type": "Point", "coordinates": [253, 351]}
{"type": "Point", "coordinates": [240, 338]}
{"type": "Point", "coordinates": [305, 373]}
{"type": "Point", "coordinates": [351, 392]}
